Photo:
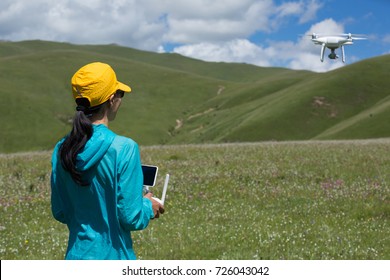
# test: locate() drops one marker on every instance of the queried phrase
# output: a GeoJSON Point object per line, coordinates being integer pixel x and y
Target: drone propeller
{"type": "Point", "coordinates": [349, 35]}
{"type": "Point", "coordinates": [313, 35]}
{"type": "Point", "coordinates": [354, 36]}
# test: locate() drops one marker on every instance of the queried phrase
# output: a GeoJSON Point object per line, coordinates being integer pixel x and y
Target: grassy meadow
{"type": "Point", "coordinates": [271, 200]}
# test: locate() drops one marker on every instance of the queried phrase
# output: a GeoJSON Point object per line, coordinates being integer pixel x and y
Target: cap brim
{"type": "Point", "coordinates": [124, 87]}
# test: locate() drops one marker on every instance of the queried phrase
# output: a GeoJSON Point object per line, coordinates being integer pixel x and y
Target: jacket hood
{"type": "Point", "coordinates": [95, 148]}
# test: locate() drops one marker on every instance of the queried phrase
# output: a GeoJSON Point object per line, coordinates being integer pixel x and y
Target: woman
{"type": "Point", "coordinates": [97, 178]}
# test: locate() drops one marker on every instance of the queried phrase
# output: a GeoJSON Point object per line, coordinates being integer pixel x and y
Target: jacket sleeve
{"type": "Point", "coordinates": [134, 211]}
{"type": "Point", "coordinates": [56, 201]}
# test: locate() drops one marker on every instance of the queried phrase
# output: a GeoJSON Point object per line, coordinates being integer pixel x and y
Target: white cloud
{"type": "Point", "coordinates": [124, 22]}
{"type": "Point", "coordinates": [146, 23]}
{"type": "Point", "coordinates": [327, 26]}
{"type": "Point", "coordinates": [216, 22]}
{"type": "Point", "coordinates": [214, 30]}
{"type": "Point", "coordinates": [302, 54]}
{"type": "Point", "coordinates": [290, 8]}
{"type": "Point", "coordinates": [311, 11]}
{"type": "Point", "coordinates": [238, 50]}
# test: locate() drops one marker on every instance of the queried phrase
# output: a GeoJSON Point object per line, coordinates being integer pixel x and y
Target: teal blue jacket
{"type": "Point", "coordinates": [101, 216]}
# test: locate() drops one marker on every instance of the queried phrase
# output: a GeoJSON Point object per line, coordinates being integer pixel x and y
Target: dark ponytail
{"type": "Point", "coordinates": [75, 142]}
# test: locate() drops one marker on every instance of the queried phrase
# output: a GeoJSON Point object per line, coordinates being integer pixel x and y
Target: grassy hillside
{"type": "Point", "coordinates": [303, 106]}
{"type": "Point", "coordinates": [181, 100]}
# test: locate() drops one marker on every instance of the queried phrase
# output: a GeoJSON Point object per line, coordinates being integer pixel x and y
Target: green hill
{"type": "Point", "coordinates": [181, 100]}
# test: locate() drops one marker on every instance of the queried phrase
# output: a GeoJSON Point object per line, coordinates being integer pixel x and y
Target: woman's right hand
{"type": "Point", "coordinates": [158, 208]}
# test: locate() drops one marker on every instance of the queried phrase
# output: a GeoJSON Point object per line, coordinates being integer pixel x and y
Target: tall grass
{"type": "Point", "coordinates": [291, 200]}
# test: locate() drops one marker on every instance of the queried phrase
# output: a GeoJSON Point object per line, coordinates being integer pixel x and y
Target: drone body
{"type": "Point", "coordinates": [334, 42]}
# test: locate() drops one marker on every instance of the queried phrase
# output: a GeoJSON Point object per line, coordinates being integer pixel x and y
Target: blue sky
{"type": "Point", "coordinates": [260, 32]}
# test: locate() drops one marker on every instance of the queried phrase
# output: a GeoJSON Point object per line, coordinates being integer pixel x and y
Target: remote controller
{"type": "Point", "coordinates": [162, 200]}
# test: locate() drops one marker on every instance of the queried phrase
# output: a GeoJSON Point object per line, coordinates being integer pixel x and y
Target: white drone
{"type": "Point", "coordinates": [333, 42]}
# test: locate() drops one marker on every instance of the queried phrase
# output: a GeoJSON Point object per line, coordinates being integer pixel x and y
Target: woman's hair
{"type": "Point", "coordinates": [75, 141]}
{"type": "Point", "coordinates": [81, 132]}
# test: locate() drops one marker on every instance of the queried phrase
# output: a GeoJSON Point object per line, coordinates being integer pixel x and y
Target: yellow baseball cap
{"type": "Point", "coordinates": [96, 82]}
